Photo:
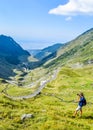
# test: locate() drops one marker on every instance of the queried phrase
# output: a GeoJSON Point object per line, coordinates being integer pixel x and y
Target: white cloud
{"type": "Point", "coordinates": [74, 7]}
{"type": "Point", "coordinates": [68, 18]}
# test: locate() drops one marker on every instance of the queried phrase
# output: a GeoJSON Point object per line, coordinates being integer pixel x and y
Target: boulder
{"type": "Point", "coordinates": [26, 116]}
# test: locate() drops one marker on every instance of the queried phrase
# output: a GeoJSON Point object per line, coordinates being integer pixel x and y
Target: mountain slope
{"type": "Point", "coordinates": [10, 55]}
{"type": "Point", "coordinates": [10, 50]}
{"type": "Point", "coordinates": [78, 50]}
{"type": "Point", "coordinates": [48, 51]}
{"type": "Point", "coordinates": [54, 107]}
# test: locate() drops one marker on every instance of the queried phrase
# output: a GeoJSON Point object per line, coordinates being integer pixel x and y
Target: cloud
{"type": "Point", "coordinates": [74, 7]}
{"type": "Point", "coordinates": [68, 18]}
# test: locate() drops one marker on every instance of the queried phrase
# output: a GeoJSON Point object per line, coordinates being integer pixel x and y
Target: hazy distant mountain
{"type": "Point", "coordinates": [33, 52]}
{"type": "Point", "coordinates": [44, 53]}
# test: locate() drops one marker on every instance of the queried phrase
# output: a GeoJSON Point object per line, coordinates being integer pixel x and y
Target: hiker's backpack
{"type": "Point", "coordinates": [84, 102]}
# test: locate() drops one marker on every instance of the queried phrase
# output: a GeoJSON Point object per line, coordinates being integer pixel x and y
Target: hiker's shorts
{"type": "Point", "coordinates": [78, 108]}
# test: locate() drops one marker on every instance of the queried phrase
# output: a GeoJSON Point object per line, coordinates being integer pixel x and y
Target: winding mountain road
{"type": "Point", "coordinates": [42, 85]}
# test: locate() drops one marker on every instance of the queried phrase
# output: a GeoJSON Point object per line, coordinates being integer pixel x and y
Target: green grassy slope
{"type": "Point", "coordinates": [78, 50]}
{"type": "Point", "coordinates": [54, 107]}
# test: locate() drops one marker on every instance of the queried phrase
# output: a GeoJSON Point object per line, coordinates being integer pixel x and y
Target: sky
{"type": "Point", "coordinates": [36, 24]}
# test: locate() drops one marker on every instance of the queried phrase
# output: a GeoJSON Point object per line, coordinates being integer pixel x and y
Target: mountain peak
{"type": "Point", "coordinates": [9, 48]}
{"type": "Point", "coordinates": [4, 36]}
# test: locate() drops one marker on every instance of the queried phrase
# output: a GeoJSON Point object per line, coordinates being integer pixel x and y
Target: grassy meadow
{"type": "Point", "coordinates": [53, 109]}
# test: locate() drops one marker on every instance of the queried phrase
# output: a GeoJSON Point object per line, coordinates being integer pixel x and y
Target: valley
{"type": "Point", "coordinates": [47, 87]}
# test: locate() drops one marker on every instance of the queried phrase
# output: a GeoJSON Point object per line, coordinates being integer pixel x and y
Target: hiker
{"type": "Point", "coordinates": [81, 103]}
